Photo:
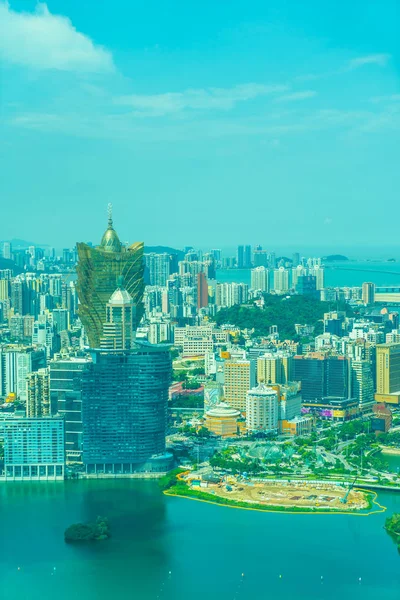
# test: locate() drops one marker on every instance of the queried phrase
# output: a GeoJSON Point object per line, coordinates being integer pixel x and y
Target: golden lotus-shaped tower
{"type": "Point", "coordinates": [98, 270]}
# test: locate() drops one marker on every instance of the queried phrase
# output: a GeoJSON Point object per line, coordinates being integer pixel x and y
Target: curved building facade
{"type": "Point", "coordinates": [124, 409]}
{"type": "Point", "coordinates": [98, 270]}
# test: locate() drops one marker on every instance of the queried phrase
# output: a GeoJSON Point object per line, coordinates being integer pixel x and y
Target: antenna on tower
{"type": "Point", "coordinates": [109, 211]}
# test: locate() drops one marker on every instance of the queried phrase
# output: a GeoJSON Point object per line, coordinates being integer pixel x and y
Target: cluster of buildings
{"type": "Point", "coordinates": [85, 360]}
{"type": "Point", "coordinates": [100, 407]}
{"type": "Point", "coordinates": [282, 387]}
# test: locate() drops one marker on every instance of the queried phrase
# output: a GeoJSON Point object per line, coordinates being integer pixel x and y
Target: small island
{"type": "Point", "coordinates": [392, 526]}
{"type": "Point", "coordinates": [87, 532]}
{"type": "Point", "coordinates": [334, 257]}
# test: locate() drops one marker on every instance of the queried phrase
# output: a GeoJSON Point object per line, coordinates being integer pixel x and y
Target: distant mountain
{"type": "Point", "coordinates": [333, 257]}
{"type": "Point", "coordinates": [161, 249]}
{"type": "Point", "coordinates": [9, 264]}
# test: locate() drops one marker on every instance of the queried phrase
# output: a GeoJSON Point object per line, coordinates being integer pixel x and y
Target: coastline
{"type": "Point", "coordinates": [226, 502]}
{"type": "Point", "coordinates": [390, 451]}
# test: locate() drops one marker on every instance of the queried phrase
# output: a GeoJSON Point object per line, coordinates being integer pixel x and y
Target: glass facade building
{"type": "Point", "coordinates": [124, 410]}
{"type": "Point", "coordinates": [98, 270]}
{"type": "Point", "coordinates": [66, 400]}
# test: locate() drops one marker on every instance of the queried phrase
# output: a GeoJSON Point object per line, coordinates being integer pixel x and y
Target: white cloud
{"type": "Point", "coordinates": [41, 40]}
{"type": "Point", "coordinates": [389, 98]}
{"type": "Point", "coordinates": [196, 99]}
{"type": "Point", "coordinates": [372, 59]}
{"type": "Point", "coordinates": [297, 96]}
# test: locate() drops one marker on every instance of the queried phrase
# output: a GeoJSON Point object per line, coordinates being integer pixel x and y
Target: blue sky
{"type": "Point", "coordinates": [212, 123]}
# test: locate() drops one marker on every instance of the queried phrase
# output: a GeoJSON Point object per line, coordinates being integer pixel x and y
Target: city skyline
{"type": "Point", "coordinates": [293, 110]}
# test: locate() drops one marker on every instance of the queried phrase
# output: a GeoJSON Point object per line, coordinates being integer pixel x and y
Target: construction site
{"type": "Point", "coordinates": [301, 495]}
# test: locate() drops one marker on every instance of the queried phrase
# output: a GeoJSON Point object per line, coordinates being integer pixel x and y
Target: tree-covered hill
{"type": "Point", "coordinates": [284, 312]}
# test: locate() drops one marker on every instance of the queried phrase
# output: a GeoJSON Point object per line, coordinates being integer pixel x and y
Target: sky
{"type": "Point", "coordinates": [204, 123]}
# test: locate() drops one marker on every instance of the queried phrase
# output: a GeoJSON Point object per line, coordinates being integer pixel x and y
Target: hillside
{"type": "Point", "coordinates": [283, 312]}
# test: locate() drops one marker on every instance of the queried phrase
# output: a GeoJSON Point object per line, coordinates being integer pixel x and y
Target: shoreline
{"type": "Point", "coordinates": [226, 502]}
{"type": "Point", "coordinates": [390, 451]}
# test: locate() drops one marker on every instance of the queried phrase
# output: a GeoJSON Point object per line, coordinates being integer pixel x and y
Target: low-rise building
{"type": "Point", "coordinates": [223, 420]}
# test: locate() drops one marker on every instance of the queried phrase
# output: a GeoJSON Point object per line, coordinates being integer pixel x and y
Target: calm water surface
{"type": "Point", "coordinates": [175, 549]}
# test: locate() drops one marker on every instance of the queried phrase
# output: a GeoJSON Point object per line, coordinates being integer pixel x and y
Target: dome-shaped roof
{"type": "Point", "coordinates": [110, 240]}
{"type": "Point", "coordinates": [120, 296]}
{"type": "Point", "coordinates": [223, 410]}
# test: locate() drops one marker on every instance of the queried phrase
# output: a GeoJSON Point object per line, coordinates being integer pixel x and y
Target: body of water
{"type": "Point", "coordinates": [393, 461]}
{"type": "Point", "coordinates": [346, 274]}
{"type": "Point", "coordinates": [175, 549]}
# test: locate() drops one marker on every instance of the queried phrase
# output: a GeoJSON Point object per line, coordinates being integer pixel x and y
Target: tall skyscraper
{"type": "Point", "coordinates": [244, 257]}
{"type": "Point", "coordinates": [98, 270]}
{"type": "Point", "coordinates": [260, 279]}
{"type": "Point", "coordinates": [202, 291]}
{"type": "Point", "coordinates": [124, 398]}
{"type": "Point", "coordinates": [275, 367]}
{"type": "Point", "coordinates": [158, 268]}
{"type": "Point", "coordinates": [281, 280]}
{"type": "Point", "coordinates": [362, 382]}
{"type": "Point", "coordinates": [368, 293]}
{"type": "Point", "coordinates": [120, 325]}
{"type": "Point", "coordinates": [66, 400]}
{"type": "Point", "coordinates": [7, 250]}
{"type": "Point", "coordinates": [38, 394]}
{"type": "Point", "coordinates": [240, 377]}
{"type": "Point", "coordinates": [322, 376]}
{"type": "Point", "coordinates": [388, 373]}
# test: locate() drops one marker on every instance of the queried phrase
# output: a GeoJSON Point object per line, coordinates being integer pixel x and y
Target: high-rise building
{"type": "Point", "coordinates": [7, 250]}
{"type": "Point", "coordinates": [66, 400]}
{"type": "Point", "coordinates": [307, 285]}
{"type": "Point", "coordinates": [120, 325]}
{"type": "Point", "coordinates": [124, 398]}
{"type": "Point", "coordinates": [275, 367]}
{"type": "Point", "coordinates": [239, 378]}
{"type": "Point", "coordinates": [322, 376]}
{"type": "Point", "coordinates": [262, 409]}
{"type": "Point", "coordinates": [334, 323]}
{"type": "Point", "coordinates": [318, 272]}
{"type": "Point", "coordinates": [16, 362]}
{"type": "Point", "coordinates": [388, 373]}
{"type": "Point", "coordinates": [244, 257]}
{"type": "Point", "coordinates": [157, 268]}
{"type": "Point", "coordinates": [260, 279]}
{"type": "Point", "coordinates": [281, 280]}
{"type": "Point", "coordinates": [60, 319]}
{"type": "Point", "coordinates": [362, 383]}
{"type": "Point", "coordinates": [228, 294]}
{"type": "Point", "coordinates": [38, 394]}
{"type": "Point", "coordinates": [296, 273]}
{"type": "Point", "coordinates": [202, 291]}
{"type": "Point", "coordinates": [124, 404]}
{"type": "Point", "coordinates": [260, 258]}
{"type": "Point", "coordinates": [98, 270]}
{"type": "Point", "coordinates": [33, 448]}
{"type": "Point", "coordinates": [368, 293]}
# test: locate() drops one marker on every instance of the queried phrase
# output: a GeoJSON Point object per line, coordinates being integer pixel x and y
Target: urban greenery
{"type": "Point", "coordinates": [392, 526]}
{"type": "Point", "coordinates": [169, 479]}
{"type": "Point", "coordinates": [282, 311]}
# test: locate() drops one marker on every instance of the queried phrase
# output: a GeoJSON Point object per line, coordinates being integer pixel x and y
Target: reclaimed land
{"type": "Point", "coordinates": [182, 490]}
